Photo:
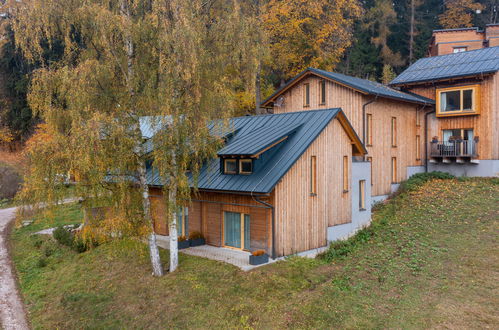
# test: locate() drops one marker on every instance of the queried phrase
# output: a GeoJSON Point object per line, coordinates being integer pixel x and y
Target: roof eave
{"type": "Point", "coordinates": [423, 81]}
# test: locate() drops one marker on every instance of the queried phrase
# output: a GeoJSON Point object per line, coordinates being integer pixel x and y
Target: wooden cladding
{"type": "Point", "coordinates": [306, 95]}
{"type": "Point", "coordinates": [394, 131]}
{"type": "Point", "coordinates": [346, 174]}
{"type": "Point", "coordinates": [313, 175]}
{"type": "Point", "coordinates": [369, 129]}
{"type": "Point", "coordinates": [394, 169]}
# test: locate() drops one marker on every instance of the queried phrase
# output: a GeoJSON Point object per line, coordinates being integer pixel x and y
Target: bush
{"type": "Point", "coordinates": [195, 235]}
{"type": "Point", "coordinates": [63, 236]}
{"type": "Point", "coordinates": [258, 253]}
{"type": "Point", "coordinates": [42, 262]}
{"type": "Point", "coordinates": [10, 181]}
{"type": "Point", "coordinates": [182, 238]}
{"type": "Point", "coordinates": [419, 179]}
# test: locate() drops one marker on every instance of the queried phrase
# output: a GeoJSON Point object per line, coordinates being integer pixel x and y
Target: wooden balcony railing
{"type": "Point", "coordinates": [463, 148]}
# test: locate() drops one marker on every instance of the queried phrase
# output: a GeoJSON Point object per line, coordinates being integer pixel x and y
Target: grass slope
{"type": "Point", "coordinates": [430, 260]}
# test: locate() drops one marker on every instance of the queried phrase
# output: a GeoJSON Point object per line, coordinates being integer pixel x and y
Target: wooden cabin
{"type": "Point", "coordinates": [463, 128]}
{"type": "Point", "coordinates": [389, 121]}
{"type": "Point", "coordinates": [282, 183]}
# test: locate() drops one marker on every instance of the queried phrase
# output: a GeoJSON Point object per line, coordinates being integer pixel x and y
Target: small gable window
{"type": "Point", "coordinates": [246, 166]}
{"type": "Point", "coordinates": [322, 92]}
{"type": "Point", "coordinates": [230, 166]}
{"type": "Point", "coordinates": [306, 95]}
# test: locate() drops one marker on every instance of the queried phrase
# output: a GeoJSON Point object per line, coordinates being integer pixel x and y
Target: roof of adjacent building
{"type": "Point", "coordinates": [362, 85]}
{"type": "Point", "coordinates": [463, 64]}
{"type": "Point", "coordinates": [283, 137]}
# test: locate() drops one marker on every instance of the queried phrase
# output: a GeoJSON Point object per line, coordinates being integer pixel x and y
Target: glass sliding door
{"type": "Point", "coordinates": [237, 230]}
{"type": "Point", "coordinates": [183, 222]}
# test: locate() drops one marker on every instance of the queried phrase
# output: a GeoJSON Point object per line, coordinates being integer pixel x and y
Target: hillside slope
{"type": "Point", "coordinates": [429, 260]}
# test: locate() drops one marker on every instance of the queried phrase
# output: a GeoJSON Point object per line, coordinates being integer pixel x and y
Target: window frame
{"type": "Point", "coordinates": [322, 92]}
{"type": "Point", "coordinates": [245, 160]}
{"type": "Point", "coordinates": [394, 170]}
{"type": "Point", "coordinates": [306, 95]}
{"type": "Point", "coordinates": [346, 174]}
{"type": "Point", "coordinates": [362, 195]}
{"type": "Point", "coordinates": [418, 147]}
{"type": "Point", "coordinates": [369, 129]}
{"type": "Point", "coordinates": [370, 160]}
{"type": "Point", "coordinates": [313, 175]}
{"type": "Point", "coordinates": [225, 165]}
{"type": "Point", "coordinates": [394, 132]}
{"type": "Point", "coordinates": [459, 47]}
{"type": "Point", "coordinates": [418, 118]}
{"type": "Point", "coordinates": [475, 101]}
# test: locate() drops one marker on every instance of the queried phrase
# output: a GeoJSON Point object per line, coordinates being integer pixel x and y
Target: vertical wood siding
{"type": "Point", "coordinates": [302, 219]}
{"type": "Point", "coordinates": [382, 110]}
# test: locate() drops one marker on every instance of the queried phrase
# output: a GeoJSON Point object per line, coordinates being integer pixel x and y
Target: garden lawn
{"type": "Point", "coordinates": [430, 259]}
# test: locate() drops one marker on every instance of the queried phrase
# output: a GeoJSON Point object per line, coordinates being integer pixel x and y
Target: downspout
{"type": "Point", "coordinates": [364, 106]}
{"type": "Point", "coordinates": [273, 221]}
{"type": "Point", "coordinates": [426, 139]}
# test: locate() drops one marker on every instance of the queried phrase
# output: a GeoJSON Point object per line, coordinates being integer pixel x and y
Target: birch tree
{"type": "Point", "coordinates": [173, 62]}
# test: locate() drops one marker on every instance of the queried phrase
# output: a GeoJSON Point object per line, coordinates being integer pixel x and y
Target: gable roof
{"type": "Point", "coordinates": [301, 129]}
{"type": "Point", "coordinates": [469, 63]}
{"type": "Point", "coordinates": [363, 86]}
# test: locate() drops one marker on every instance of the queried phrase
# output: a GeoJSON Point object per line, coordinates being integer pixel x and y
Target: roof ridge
{"type": "Point", "coordinates": [285, 113]}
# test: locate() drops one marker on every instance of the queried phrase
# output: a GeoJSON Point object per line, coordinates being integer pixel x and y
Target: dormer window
{"type": "Point", "coordinates": [245, 166]}
{"type": "Point", "coordinates": [230, 166]}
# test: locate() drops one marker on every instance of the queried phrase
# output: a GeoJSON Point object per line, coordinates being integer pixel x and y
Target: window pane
{"type": "Point", "coordinates": [323, 91]}
{"type": "Point", "coordinates": [246, 165]}
{"type": "Point", "coordinates": [230, 166]}
{"type": "Point", "coordinates": [247, 237]}
{"type": "Point", "coordinates": [468, 99]}
{"type": "Point", "coordinates": [450, 101]}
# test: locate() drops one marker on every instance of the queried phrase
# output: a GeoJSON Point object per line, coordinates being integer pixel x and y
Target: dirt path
{"type": "Point", "coordinates": [12, 313]}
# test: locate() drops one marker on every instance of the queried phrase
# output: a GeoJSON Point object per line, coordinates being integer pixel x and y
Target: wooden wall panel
{"type": "Point", "coordinates": [351, 102]}
{"type": "Point", "coordinates": [302, 219]}
{"type": "Point", "coordinates": [485, 125]}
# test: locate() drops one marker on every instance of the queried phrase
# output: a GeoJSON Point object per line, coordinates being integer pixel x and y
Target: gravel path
{"type": "Point", "coordinates": [12, 313]}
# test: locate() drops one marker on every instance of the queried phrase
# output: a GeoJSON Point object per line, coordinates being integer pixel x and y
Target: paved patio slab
{"type": "Point", "coordinates": [234, 257]}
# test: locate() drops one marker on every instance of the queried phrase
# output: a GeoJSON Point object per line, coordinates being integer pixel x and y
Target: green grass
{"type": "Point", "coordinates": [430, 259]}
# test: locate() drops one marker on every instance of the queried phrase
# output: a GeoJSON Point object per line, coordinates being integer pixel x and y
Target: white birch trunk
{"type": "Point", "coordinates": [172, 198]}
{"type": "Point", "coordinates": [146, 205]}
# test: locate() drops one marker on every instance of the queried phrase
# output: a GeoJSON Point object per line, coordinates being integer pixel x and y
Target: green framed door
{"type": "Point", "coordinates": [237, 230]}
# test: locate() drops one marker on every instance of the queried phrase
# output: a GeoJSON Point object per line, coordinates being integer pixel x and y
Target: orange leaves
{"type": "Point", "coordinates": [459, 13]}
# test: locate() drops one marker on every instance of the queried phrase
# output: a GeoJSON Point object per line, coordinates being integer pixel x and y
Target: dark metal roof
{"type": "Point", "coordinates": [258, 140]}
{"type": "Point", "coordinates": [463, 64]}
{"type": "Point", "coordinates": [302, 128]}
{"type": "Point", "coordinates": [363, 85]}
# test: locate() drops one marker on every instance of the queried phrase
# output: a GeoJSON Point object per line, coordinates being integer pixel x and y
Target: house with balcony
{"type": "Point", "coordinates": [462, 132]}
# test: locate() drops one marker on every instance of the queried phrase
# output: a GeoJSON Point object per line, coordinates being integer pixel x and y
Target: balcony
{"type": "Point", "coordinates": [457, 150]}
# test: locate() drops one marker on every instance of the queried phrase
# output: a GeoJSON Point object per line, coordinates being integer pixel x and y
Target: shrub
{"type": "Point", "coordinates": [48, 251]}
{"type": "Point", "coordinates": [419, 179]}
{"type": "Point", "coordinates": [79, 245]}
{"type": "Point", "coordinates": [258, 253]}
{"type": "Point", "coordinates": [10, 181]}
{"type": "Point", "coordinates": [63, 236]}
{"type": "Point", "coordinates": [182, 238]}
{"type": "Point", "coordinates": [195, 235]}
{"type": "Point", "coordinates": [42, 262]}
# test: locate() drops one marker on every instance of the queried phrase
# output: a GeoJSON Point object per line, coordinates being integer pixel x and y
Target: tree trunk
{"type": "Point", "coordinates": [172, 198]}
{"type": "Point", "coordinates": [411, 33]}
{"type": "Point", "coordinates": [258, 90]}
{"type": "Point", "coordinates": [146, 205]}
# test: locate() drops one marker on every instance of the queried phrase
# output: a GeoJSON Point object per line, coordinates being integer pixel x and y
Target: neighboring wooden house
{"type": "Point", "coordinates": [389, 121]}
{"type": "Point", "coordinates": [282, 183]}
{"type": "Point", "coordinates": [450, 41]}
{"type": "Point", "coordinates": [463, 129]}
